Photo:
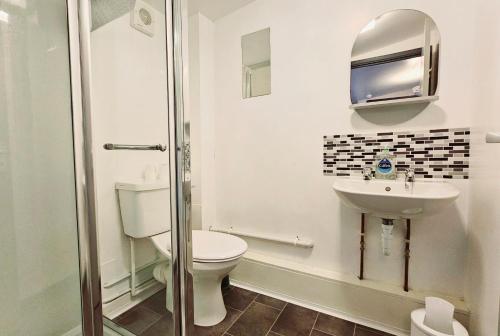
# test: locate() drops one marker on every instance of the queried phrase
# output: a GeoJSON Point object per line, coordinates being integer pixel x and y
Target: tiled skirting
{"type": "Point", "coordinates": [436, 153]}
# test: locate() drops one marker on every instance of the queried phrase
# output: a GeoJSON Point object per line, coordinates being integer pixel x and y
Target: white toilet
{"type": "Point", "coordinates": [145, 210]}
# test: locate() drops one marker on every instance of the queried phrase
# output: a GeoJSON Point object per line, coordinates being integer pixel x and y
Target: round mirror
{"type": "Point", "coordinates": [395, 57]}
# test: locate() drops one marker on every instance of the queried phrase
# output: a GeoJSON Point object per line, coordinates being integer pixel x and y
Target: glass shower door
{"type": "Point", "coordinates": [39, 268]}
{"type": "Point", "coordinates": [135, 155]}
{"type": "Point", "coordinates": [54, 166]}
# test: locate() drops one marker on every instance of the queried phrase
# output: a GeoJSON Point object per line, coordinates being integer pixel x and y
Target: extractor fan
{"type": "Point", "coordinates": [142, 18]}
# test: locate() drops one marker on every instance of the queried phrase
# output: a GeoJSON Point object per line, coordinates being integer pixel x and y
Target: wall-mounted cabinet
{"type": "Point", "coordinates": [395, 60]}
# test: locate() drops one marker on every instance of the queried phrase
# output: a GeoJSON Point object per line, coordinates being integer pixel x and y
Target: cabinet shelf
{"type": "Point", "coordinates": [394, 102]}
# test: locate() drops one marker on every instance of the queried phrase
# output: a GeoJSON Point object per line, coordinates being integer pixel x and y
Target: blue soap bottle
{"type": "Point", "coordinates": [385, 168]}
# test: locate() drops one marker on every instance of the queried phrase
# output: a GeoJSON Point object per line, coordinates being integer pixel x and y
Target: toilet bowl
{"type": "Point", "coordinates": [214, 256]}
{"type": "Point", "coordinates": [145, 213]}
{"type": "Point", "coordinates": [418, 328]}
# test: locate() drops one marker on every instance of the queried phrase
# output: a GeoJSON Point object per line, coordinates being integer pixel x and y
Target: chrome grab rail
{"type": "Point", "coordinates": [159, 147]}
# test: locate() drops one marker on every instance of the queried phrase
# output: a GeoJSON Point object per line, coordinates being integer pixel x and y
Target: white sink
{"type": "Point", "coordinates": [391, 199]}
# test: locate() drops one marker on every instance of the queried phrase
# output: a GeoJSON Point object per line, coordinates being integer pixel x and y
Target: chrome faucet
{"type": "Point", "coordinates": [367, 173]}
{"type": "Point", "coordinates": [409, 177]}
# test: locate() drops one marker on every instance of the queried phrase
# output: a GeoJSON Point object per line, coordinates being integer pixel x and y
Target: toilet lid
{"type": "Point", "coordinates": [208, 246]}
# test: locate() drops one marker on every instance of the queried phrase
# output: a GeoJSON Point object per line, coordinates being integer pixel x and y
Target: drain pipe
{"type": "Point", "coordinates": [387, 227]}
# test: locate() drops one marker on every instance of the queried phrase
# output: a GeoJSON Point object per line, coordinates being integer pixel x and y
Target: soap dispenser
{"type": "Point", "coordinates": [385, 168]}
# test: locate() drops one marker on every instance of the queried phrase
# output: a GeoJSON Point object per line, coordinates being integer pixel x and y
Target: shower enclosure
{"type": "Point", "coordinates": [75, 76]}
{"type": "Point", "coordinates": [39, 281]}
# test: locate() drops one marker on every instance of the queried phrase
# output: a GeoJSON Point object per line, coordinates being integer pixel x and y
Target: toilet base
{"type": "Point", "coordinates": [162, 273]}
{"type": "Point", "coordinates": [209, 308]}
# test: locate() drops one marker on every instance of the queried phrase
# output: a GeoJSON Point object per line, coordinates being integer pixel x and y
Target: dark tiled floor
{"type": "Point", "coordinates": [248, 314]}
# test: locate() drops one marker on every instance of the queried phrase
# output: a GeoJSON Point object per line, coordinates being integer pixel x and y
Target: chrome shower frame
{"type": "Point", "coordinates": [79, 27]}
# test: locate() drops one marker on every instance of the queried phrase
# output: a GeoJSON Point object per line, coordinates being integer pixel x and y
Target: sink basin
{"type": "Point", "coordinates": [391, 199]}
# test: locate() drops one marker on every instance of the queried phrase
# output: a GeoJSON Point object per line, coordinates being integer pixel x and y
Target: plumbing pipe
{"type": "Point", "coordinates": [362, 248]}
{"type": "Point", "coordinates": [407, 254]}
{"type": "Point", "coordinates": [387, 227]}
{"type": "Point", "coordinates": [113, 282]}
{"type": "Point", "coordinates": [297, 241]}
{"type": "Point", "coordinates": [141, 287]}
{"type": "Point", "coordinates": [132, 267]}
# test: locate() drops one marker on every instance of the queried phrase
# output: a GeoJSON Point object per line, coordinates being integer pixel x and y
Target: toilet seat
{"type": "Point", "coordinates": [208, 246]}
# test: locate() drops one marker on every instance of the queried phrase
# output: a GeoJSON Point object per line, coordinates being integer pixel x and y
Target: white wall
{"type": "Point", "coordinates": [483, 292]}
{"type": "Point", "coordinates": [268, 150]}
{"type": "Point", "coordinates": [192, 107]}
{"type": "Point", "coordinates": [129, 97]}
{"type": "Point", "coordinates": [202, 116]}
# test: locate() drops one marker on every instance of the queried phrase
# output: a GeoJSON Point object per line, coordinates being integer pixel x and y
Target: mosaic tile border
{"type": "Point", "coordinates": [435, 153]}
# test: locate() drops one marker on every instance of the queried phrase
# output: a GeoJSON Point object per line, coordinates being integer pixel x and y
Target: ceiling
{"type": "Point", "coordinates": [108, 10]}
{"type": "Point", "coordinates": [215, 9]}
{"type": "Point", "coordinates": [159, 5]}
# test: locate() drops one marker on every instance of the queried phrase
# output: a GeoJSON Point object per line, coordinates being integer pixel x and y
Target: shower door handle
{"type": "Point", "coordinates": [159, 147]}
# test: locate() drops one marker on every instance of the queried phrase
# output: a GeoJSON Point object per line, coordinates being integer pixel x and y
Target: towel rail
{"type": "Point", "coordinates": [297, 241]}
{"type": "Point", "coordinates": [111, 146]}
